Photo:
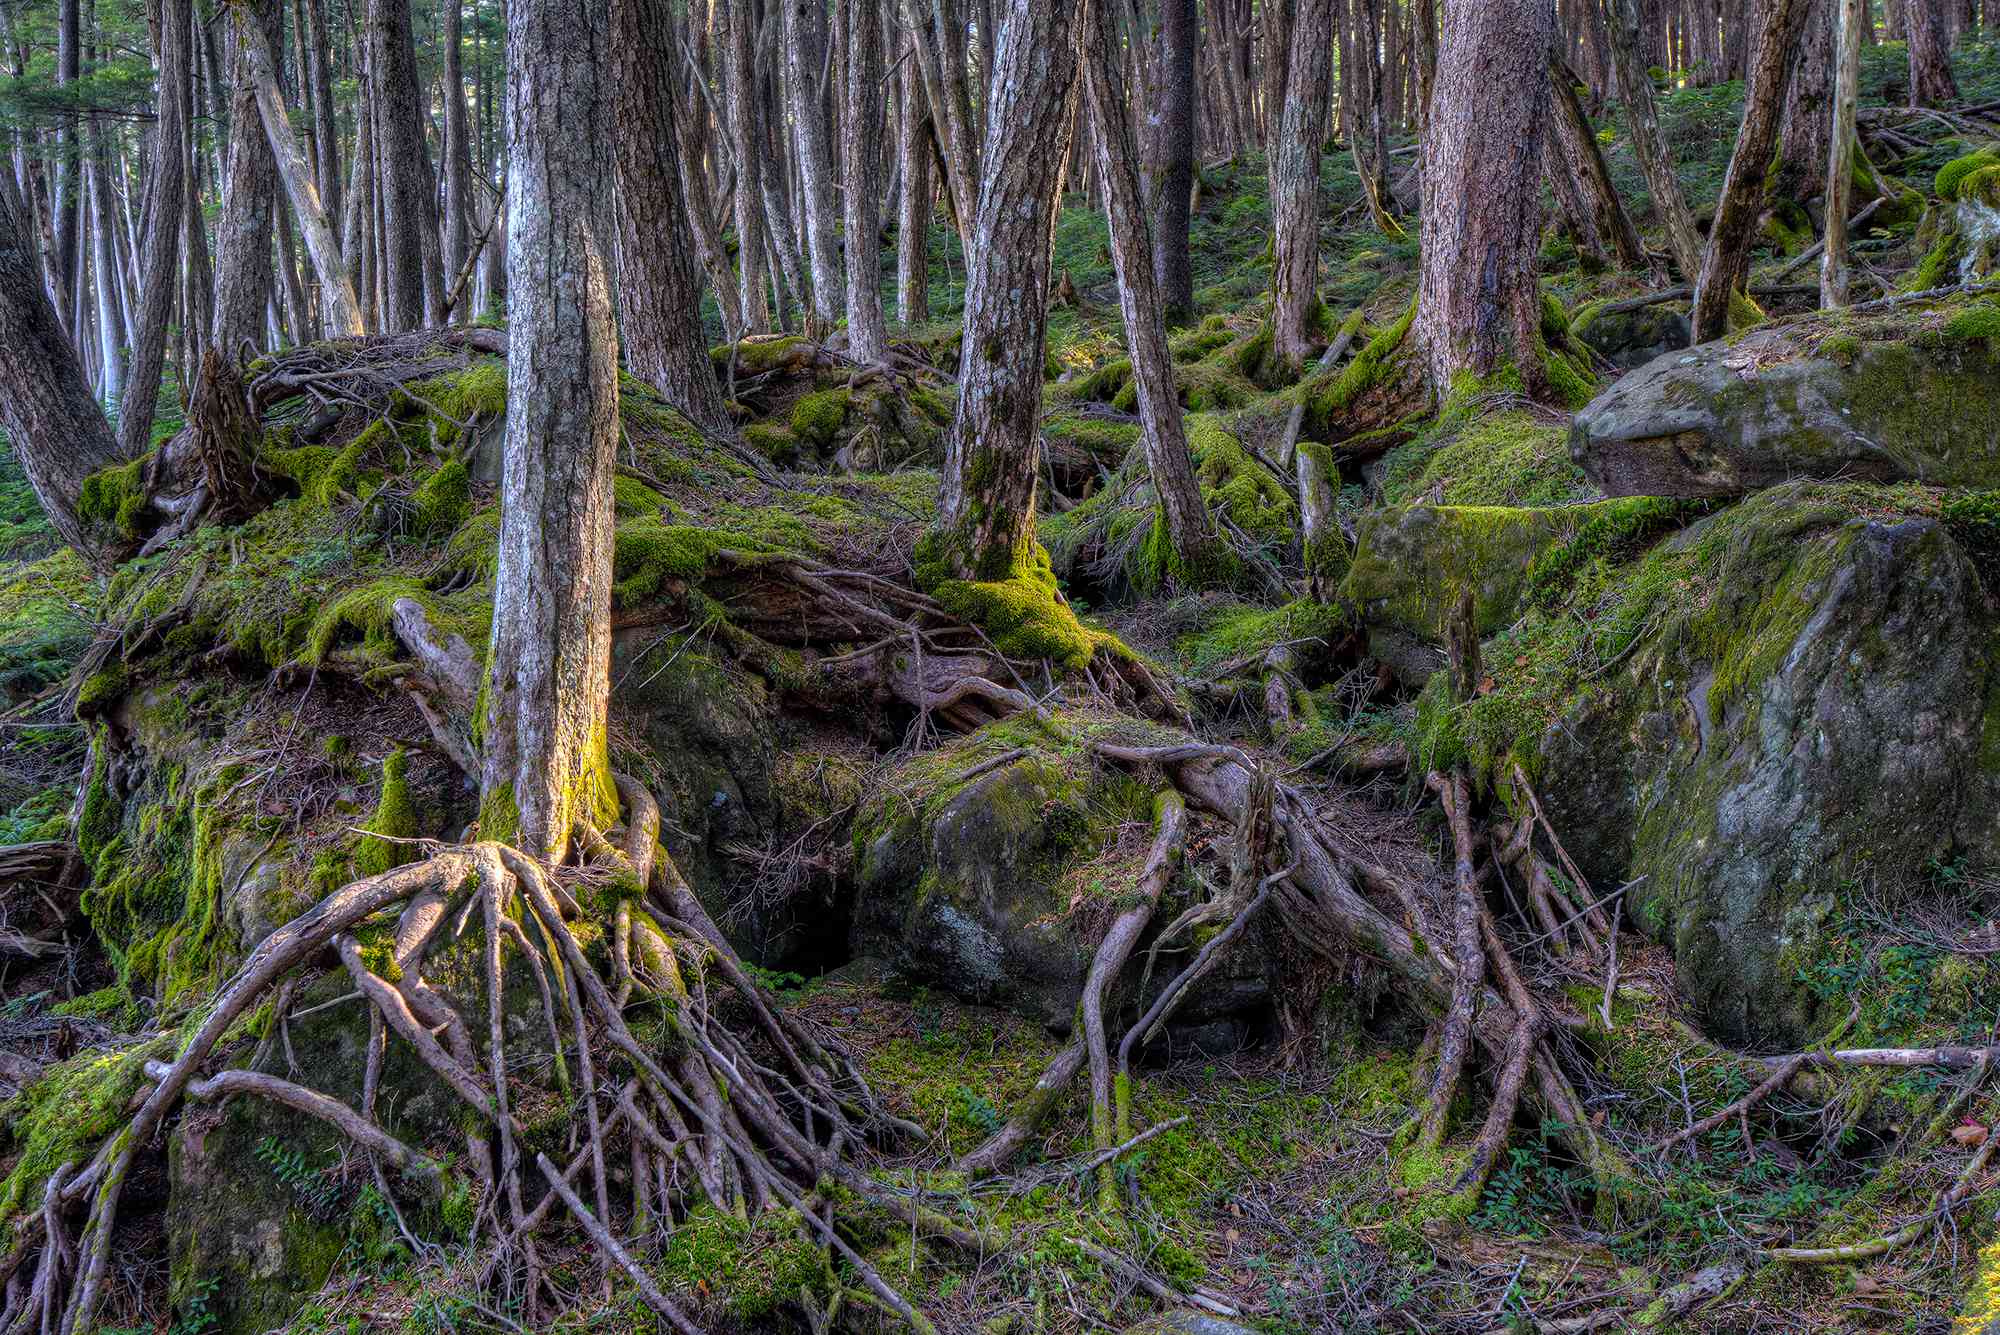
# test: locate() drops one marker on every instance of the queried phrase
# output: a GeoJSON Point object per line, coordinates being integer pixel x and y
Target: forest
{"type": "Point", "coordinates": [1163, 667]}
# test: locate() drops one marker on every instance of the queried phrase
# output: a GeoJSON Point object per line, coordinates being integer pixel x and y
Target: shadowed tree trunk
{"type": "Point", "coordinates": [325, 128]}
{"type": "Point", "coordinates": [1931, 81]}
{"type": "Point", "coordinates": [986, 511]}
{"type": "Point", "coordinates": [1579, 145]}
{"type": "Point", "coordinates": [1190, 533]}
{"type": "Point", "coordinates": [457, 159]}
{"type": "Point", "coordinates": [1802, 136]}
{"type": "Point", "coordinates": [805, 53]}
{"type": "Point", "coordinates": [1173, 268]}
{"type": "Point", "coordinates": [161, 248]}
{"type": "Point", "coordinates": [1479, 301]}
{"type": "Point", "coordinates": [1635, 87]}
{"type": "Point", "coordinates": [861, 173]}
{"type": "Point", "coordinates": [546, 767]}
{"type": "Point", "coordinates": [913, 219]}
{"type": "Point", "coordinates": [1726, 262]}
{"type": "Point", "coordinates": [753, 298]}
{"type": "Point", "coordinates": [404, 169]}
{"type": "Point", "coordinates": [659, 290]}
{"type": "Point", "coordinates": [1833, 277]}
{"type": "Point", "coordinates": [243, 272]}
{"type": "Point", "coordinates": [1295, 183]}
{"type": "Point", "coordinates": [57, 430]}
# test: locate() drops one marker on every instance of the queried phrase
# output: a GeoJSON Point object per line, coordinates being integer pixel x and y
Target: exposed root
{"type": "Point", "coordinates": [1469, 976]}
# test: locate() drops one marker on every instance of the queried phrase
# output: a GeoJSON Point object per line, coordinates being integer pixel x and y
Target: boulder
{"type": "Point", "coordinates": [1915, 399]}
{"type": "Point", "coordinates": [1765, 715]}
{"type": "Point", "coordinates": [1628, 339]}
{"type": "Point", "coordinates": [989, 869]}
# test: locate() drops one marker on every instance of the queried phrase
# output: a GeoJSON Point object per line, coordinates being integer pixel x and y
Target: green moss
{"type": "Point", "coordinates": [115, 497]}
{"type": "Point", "coordinates": [817, 418]}
{"type": "Point", "coordinates": [1025, 614]}
{"type": "Point", "coordinates": [752, 1269]}
{"type": "Point", "coordinates": [479, 391]}
{"type": "Point", "coordinates": [395, 816]}
{"type": "Point", "coordinates": [1243, 631]}
{"type": "Point", "coordinates": [633, 499]}
{"type": "Point", "coordinates": [648, 554]}
{"type": "Point", "coordinates": [1938, 266]}
{"type": "Point", "coordinates": [101, 690]}
{"type": "Point", "coordinates": [1466, 458]}
{"type": "Point", "coordinates": [64, 1115]}
{"type": "Point", "coordinates": [774, 442]}
{"type": "Point", "coordinates": [754, 356]}
{"type": "Point", "coordinates": [443, 500]}
{"type": "Point", "coordinates": [1331, 393]}
{"type": "Point", "coordinates": [1953, 174]}
{"type": "Point", "coordinates": [1980, 320]}
{"type": "Point", "coordinates": [321, 473]}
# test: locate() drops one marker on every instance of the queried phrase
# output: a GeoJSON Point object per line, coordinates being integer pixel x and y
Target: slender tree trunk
{"type": "Point", "coordinates": [1579, 145]}
{"type": "Point", "coordinates": [65, 202]}
{"type": "Point", "coordinates": [1479, 300]}
{"type": "Point", "coordinates": [1931, 81]}
{"type": "Point", "coordinates": [1295, 183]}
{"type": "Point", "coordinates": [405, 206]}
{"type": "Point", "coordinates": [1361, 92]}
{"type": "Point", "coordinates": [546, 766]}
{"type": "Point", "coordinates": [861, 172]}
{"type": "Point", "coordinates": [165, 220]}
{"type": "Point", "coordinates": [1173, 266]}
{"type": "Point", "coordinates": [913, 219]}
{"type": "Point", "coordinates": [109, 280]}
{"type": "Point", "coordinates": [753, 295]}
{"type": "Point", "coordinates": [1727, 260]}
{"type": "Point", "coordinates": [1648, 144]}
{"type": "Point", "coordinates": [1833, 275]}
{"type": "Point", "coordinates": [457, 157]}
{"type": "Point", "coordinates": [243, 271]}
{"type": "Point", "coordinates": [326, 129]}
{"type": "Point", "coordinates": [660, 293]}
{"type": "Point", "coordinates": [805, 51]}
{"type": "Point", "coordinates": [993, 454]}
{"type": "Point", "coordinates": [341, 312]}
{"type": "Point", "coordinates": [56, 428]}
{"type": "Point", "coordinates": [1189, 531]}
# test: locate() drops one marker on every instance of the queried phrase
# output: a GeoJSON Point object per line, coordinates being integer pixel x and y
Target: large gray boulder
{"type": "Point", "coordinates": [1917, 400]}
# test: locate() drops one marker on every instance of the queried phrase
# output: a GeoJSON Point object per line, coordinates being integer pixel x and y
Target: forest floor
{"type": "Point", "coordinates": [1278, 1185]}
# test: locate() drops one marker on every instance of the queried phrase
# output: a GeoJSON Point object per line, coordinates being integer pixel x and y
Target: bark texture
{"type": "Point", "coordinates": [861, 172]}
{"type": "Point", "coordinates": [404, 168]}
{"type": "Point", "coordinates": [1802, 136]}
{"type": "Point", "coordinates": [753, 297]}
{"type": "Point", "coordinates": [57, 431]}
{"type": "Point", "coordinates": [805, 55]}
{"type": "Point", "coordinates": [243, 272]}
{"type": "Point", "coordinates": [659, 287]}
{"type": "Point", "coordinates": [1189, 532]}
{"type": "Point", "coordinates": [993, 455]}
{"type": "Point", "coordinates": [544, 728]}
{"type": "Point", "coordinates": [1833, 274]}
{"type": "Point", "coordinates": [1726, 262]}
{"type": "Point", "coordinates": [1295, 183]}
{"type": "Point", "coordinates": [1173, 172]}
{"type": "Point", "coordinates": [1621, 19]}
{"type": "Point", "coordinates": [1931, 81]}
{"type": "Point", "coordinates": [913, 219]}
{"type": "Point", "coordinates": [1479, 301]}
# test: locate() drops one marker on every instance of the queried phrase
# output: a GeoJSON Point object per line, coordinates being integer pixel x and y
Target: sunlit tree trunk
{"type": "Point", "coordinates": [1802, 135]}
{"type": "Point", "coordinates": [993, 455]}
{"type": "Point", "coordinates": [1833, 276]}
{"type": "Point", "coordinates": [913, 219]}
{"type": "Point", "coordinates": [546, 767]}
{"type": "Point", "coordinates": [1931, 81]}
{"type": "Point", "coordinates": [1621, 18]}
{"type": "Point", "coordinates": [805, 53]}
{"type": "Point", "coordinates": [243, 272]}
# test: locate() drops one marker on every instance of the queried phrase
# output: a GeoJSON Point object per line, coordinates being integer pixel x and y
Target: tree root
{"type": "Point", "coordinates": [796, 1111]}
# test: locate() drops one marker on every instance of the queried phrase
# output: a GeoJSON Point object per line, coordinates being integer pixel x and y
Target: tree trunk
{"type": "Point", "coordinates": [1833, 276]}
{"type": "Point", "coordinates": [1479, 301]}
{"type": "Point", "coordinates": [1361, 92]}
{"type": "Point", "coordinates": [546, 767]}
{"type": "Point", "coordinates": [1586, 159]}
{"type": "Point", "coordinates": [1190, 533]}
{"type": "Point", "coordinates": [325, 128]}
{"type": "Point", "coordinates": [1295, 183]}
{"type": "Point", "coordinates": [1802, 138]}
{"type": "Point", "coordinates": [1727, 260]}
{"type": "Point", "coordinates": [64, 204]}
{"type": "Point", "coordinates": [660, 293]}
{"type": "Point", "coordinates": [243, 272]}
{"type": "Point", "coordinates": [165, 220]}
{"type": "Point", "coordinates": [457, 158]}
{"type": "Point", "coordinates": [1621, 19]}
{"type": "Point", "coordinates": [1931, 81]}
{"type": "Point", "coordinates": [405, 206]}
{"type": "Point", "coordinates": [913, 219]}
{"type": "Point", "coordinates": [109, 276]}
{"type": "Point", "coordinates": [1173, 267]}
{"type": "Point", "coordinates": [340, 311]}
{"type": "Point", "coordinates": [861, 172]}
{"type": "Point", "coordinates": [993, 454]}
{"type": "Point", "coordinates": [57, 430]}
{"type": "Point", "coordinates": [805, 52]}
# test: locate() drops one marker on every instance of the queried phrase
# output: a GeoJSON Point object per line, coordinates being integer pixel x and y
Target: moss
{"type": "Point", "coordinates": [774, 442]}
{"type": "Point", "coordinates": [817, 418]}
{"type": "Point", "coordinates": [395, 816]}
{"type": "Point", "coordinates": [1613, 531]}
{"type": "Point", "coordinates": [754, 356]}
{"type": "Point", "coordinates": [443, 500]}
{"type": "Point", "coordinates": [1467, 458]}
{"type": "Point", "coordinates": [1937, 268]}
{"type": "Point", "coordinates": [1979, 320]}
{"type": "Point", "coordinates": [64, 1114]}
{"type": "Point", "coordinates": [101, 690]}
{"type": "Point", "coordinates": [649, 553]}
{"type": "Point", "coordinates": [1329, 394]}
{"type": "Point", "coordinates": [1973, 520]}
{"type": "Point", "coordinates": [97, 823]}
{"type": "Point", "coordinates": [633, 499]}
{"type": "Point", "coordinates": [1953, 174]}
{"type": "Point", "coordinates": [115, 497]}
{"type": "Point", "coordinates": [753, 1269]}
{"type": "Point", "coordinates": [1025, 614]}
{"type": "Point", "coordinates": [1243, 631]}
{"type": "Point", "coordinates": [321, 473]}
{"type": "Point", "coordinates": [478, 391]}
{"type": "Point", "coordinates": [1981, 1315]}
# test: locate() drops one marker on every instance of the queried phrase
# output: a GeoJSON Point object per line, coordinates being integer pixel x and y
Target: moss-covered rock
{"type": "Point", "coordinates": [1916, 396]}
{"type": "Point", "coordinates": [1629, 339]}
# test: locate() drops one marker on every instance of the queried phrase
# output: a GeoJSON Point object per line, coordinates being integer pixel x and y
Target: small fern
{"type": "Point", "coordinates": [318, 1193]}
